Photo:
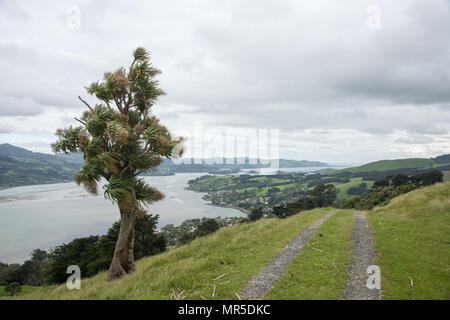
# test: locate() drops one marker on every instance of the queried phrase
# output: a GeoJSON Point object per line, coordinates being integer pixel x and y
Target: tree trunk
{"type": "Point", "coordinates": [123, 259]}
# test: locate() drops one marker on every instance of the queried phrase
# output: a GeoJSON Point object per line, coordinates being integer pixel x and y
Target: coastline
{"type": "Point", "coordinates": [35, 184]}
{"type": "Point", "coordinates": [229, 207]}
{"type": "Point", "coordinates": [217, 205]}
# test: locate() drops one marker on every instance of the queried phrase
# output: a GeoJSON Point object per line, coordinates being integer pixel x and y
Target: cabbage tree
{"type": "Point", "coordinates": [120, 140]}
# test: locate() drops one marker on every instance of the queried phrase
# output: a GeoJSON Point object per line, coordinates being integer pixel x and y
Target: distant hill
{"type": "Point", "coordinates": [442, 159]}
{"type": "Point", "coordinates": [407, 166]}
{"type": "Point", "coordinates": [19, 166]}
{"type": "Point", "coordinates": [223, 165]}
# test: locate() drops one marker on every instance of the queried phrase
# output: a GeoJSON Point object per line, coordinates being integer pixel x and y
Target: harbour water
{"type": "Point", "coordinates": [44, 216]}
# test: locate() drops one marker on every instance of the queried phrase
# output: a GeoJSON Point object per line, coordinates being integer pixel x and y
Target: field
{"type": "Point", "coordinates": [384, 165]}
{"type": "Point", "coordinates": [412, 237]}
{"type": "Point", "coordinates": [446, 175]}
{"type": "Point", "coordinates": [354, 182]}
{"type": "Point", "coordinates": [320, 270]}
{"type": "Point", "coordinates": [25, 290]}
{"type": "Point", "coordinates": [235, 253]}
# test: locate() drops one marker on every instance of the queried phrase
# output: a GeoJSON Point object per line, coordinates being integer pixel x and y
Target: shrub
{"type": "Point", "coordinates": [323, 195]}
{"type": "Point", "coordinates": [206, 227]}
{"type": "Point", "coordinates": [255, 214]}
{"type": "Point", "coordinates": [93, 254]}
{"type": "Point", "coordinates": [13, 288]}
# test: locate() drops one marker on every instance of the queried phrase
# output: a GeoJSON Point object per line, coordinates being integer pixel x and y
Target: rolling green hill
{"type": "Point", "coordinates": [234, 254]}
{"type": "Point", "coordinates": [398, 164]}
{"type": "Point", "coordinates": [20, 167]}
{"type": "Point", "coordinates": [411, 235]}
{"type": "Point", "coordinates": [384, 165]}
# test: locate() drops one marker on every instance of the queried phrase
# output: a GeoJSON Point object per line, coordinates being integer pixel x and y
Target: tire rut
{"type": "Point", "coordinates": [260, 284]}
{"type": "Point", "coordinates": [363, 257]}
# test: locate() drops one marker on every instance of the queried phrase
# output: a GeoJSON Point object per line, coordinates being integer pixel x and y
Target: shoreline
{"type": "Point", "coordinates": [34, 184]}
{"type": "Point", "coordinates": [228, 207]}
{"type": "Point", "coordinates": [245, 211]}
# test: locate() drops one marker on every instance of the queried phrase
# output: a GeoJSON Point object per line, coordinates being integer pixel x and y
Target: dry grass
{"type": "Point", "coordinates": [213, 267]}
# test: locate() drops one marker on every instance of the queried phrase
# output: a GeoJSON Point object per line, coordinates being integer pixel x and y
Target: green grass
{"type": "Point", "coordinates": [25, 290]}
{"type": "Point", "coordinates": [412, 237]}
{"type": "Point", "coordinates": [354, 182]}
{"type": "Point", "coordinates": [384, 165]}
{"type": "Point", "coordinates": [319, 274]}
{"type": "Point", "coordinates": [239, 252]}
{"type": "Point", "coordinates": [446, 175]}
{"type": "Point", "coordinates": [343, 188]}
{"type": "Point", "coordinates": [269, 180]}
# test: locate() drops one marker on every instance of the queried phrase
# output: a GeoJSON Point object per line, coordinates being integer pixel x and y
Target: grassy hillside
{"type": "Point", "coordinates": [405, 166]}
{"type": "Point", "coordinates": [412, 237]}
{"type": "Point", "coordinates": [236, 253]}
{"type": "Point", "coordinates": [385, 165]}
{"type": "Point", "coordinates": [20, 167]}
{"type": "Point", "coordinates": [446, 175]}
{"type": "Point", "coordinates": [320, 270]}
{"type": "Point", "coordinates": [25, 290]}
{"type": "Point", "coordinates": [343, 188]}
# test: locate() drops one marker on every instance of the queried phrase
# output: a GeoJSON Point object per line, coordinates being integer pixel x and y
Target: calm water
{"type": "Point", "coordinates": [270, 171]}
{"type": "Point", "coordinates": [43, 216]}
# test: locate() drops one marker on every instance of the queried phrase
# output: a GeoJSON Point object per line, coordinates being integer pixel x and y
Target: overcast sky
{"type": "Point", "coordinates": [358, 82]}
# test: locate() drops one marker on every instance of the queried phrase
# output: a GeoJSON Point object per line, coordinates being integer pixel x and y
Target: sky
{"type": "Point", "coordinates": [339, 81]}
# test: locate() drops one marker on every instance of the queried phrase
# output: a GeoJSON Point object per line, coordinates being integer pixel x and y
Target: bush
{"type": "Point", "coordinates": [428, 178]}
{"type": "Point", "coordinates": [421, 179]}
{"type": "Point", "coordinates": [357, 191]}
{"type": "Point", "coordinates": [323, 195]}
{"type": "Point", "coordinates": [206, 227]}
{"type": "Point", "coordinates": [11, 273]}
{"type": "Point", "coordinates": [13, 288]}
{"type": "Point", "coordinates": [376, 197]}
{"type": "Point", "coordinates": [255, 214]}
{"type": "Point", "coordinates": [185, 238]}
{"type": "Point", "coordinates": [93, 254]}
{"type": "Point", "coordinates": [390, 187]}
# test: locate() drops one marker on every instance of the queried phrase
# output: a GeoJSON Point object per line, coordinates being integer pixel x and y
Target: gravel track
{"type": "Point", "coordinates": [363, 256]}
{"type": "Point", "coordinates": [258, 286]}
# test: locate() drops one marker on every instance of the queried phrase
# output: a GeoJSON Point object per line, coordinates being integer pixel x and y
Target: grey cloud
{"type": "Point", "coordinates": [415, 140]}
{"type": "Point", "coordinates": [18, 106]}
{"type": "Point", "coordinates": [289, 65]}
{"type": "Point", "coordinates": [4, 128]}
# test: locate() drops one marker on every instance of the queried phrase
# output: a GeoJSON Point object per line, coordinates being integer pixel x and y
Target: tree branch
{"type": "Point", "coordinates": [87, 104]}
{"type": "Point", "coordinates": [82, 122]}
{"type": "Point", "coordinates": [138, 173]}
{"type": "Point", "coordinates": [131, 67]}
{"type": "Point", "coordinates": [124, 169]}
{"type": "Point", "coordinates": [118, 105]}
{"type": "Point", "coordinates": [132, 83]}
